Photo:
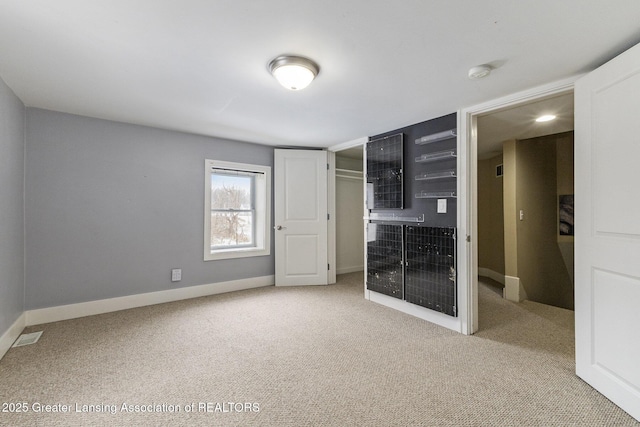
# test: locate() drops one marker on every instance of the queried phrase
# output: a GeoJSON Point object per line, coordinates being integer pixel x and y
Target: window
{"type": "Point", "coordinates": [237, 210]}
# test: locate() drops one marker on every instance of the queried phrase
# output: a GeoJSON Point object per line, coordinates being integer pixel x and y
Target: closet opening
{"type": "Point", "coordinates": [349, 210]}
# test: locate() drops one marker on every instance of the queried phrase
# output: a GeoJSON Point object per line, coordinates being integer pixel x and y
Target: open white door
{"type": "Point", "coordinates": [301, 217]}
{"type": "Point", "coordinates": [607, 224]}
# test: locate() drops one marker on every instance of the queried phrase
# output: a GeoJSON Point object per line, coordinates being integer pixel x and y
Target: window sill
{"type": "Point", "coordinates": [237, 253]}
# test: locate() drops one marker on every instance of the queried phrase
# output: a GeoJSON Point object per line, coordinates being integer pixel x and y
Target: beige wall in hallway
{"type": "Point", "coordinates": [509, 181]}
{"type": "Point", "coordinates": [490, 216]}
{"type": "Point", "coordinates": [565, 186]}
{"type": "Point", "coordinates": [541, 267]}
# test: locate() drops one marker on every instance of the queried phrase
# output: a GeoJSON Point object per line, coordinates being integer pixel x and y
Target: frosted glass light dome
{"type": "Point", "coordinates": [294, 72]}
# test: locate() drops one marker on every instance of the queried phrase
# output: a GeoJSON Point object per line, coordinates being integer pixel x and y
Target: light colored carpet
{"type": "Point", "coordinates": [306, 356]}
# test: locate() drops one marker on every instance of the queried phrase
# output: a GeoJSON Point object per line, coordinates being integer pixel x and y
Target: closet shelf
{"type": "Point", "coordinates": [355, 172]}
{"type": "Point", "coordinates": [436, 195]}
{"type": "Point", "coordinates": [440, 136]}
{"type": "Point", "coordinates": [432, 157]}
{"type": "Point", "coordinates": [436, 175]}
{"type": "Point", "coordinates": [348, 174]}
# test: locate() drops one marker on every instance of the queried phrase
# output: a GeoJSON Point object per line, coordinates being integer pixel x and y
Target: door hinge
{"type": "Point", "coordinates": [468, 238]}
{"type": "Point", "coordinates": [327, 166]}
{"type": "Point", "coordinates": [328, 217]}
{"type": "Point", "coordinates": [328, 266]}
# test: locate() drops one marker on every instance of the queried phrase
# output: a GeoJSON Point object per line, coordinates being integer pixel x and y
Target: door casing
{"type": "Point", "coordinates": [468, 191]}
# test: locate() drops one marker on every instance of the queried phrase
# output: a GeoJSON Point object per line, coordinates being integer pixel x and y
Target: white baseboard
{"type": "Point", "coordinates": [12, 334]}
{"type": "Point", "coordinates": [345, 270]}
{"type": "Point", "coordinates": [73, 311]}
{"type": "Point", "coordinates": [514, 290]}
{"type": "Point", "coordinates": [494, 275]}
{"type": "Point", "coordinates": [423, 313]}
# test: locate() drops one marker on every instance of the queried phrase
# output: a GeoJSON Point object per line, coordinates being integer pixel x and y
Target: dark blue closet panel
{"type": "Point", "coordinates": [384, 171]}
{"type": "Point", "coordinates": [384, 259]}
{"type": "Point", "coordinates": [430, 271]}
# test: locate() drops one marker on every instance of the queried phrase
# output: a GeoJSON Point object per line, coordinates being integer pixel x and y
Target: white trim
{"type": "Point", "coordinates": [340, 174]}
{"type": "Point", "coordinates": [349, 144]}
{"type": "Point", "coordinates": [467, 190]}
{"type": "Point", "coordinates": [331, 224]}
{"type": "Point", "coordinates": [353, 269]}
{"type": "Point", "coordinates": [262, 211]}
{"type": "Point", "coordinates": [73, 311]}
{"type": "Point", "coordinates": [464, 250]}
{"type": "Point", "coordinates": [365, 213]}
{"type": "Point", "coordinates": [526, 96]}
{"type": "Point", "coordinates": [491, 274]}
{"type": "Point", "coordinates": [513, 289]}
{"type": "Point", "coordinates": [423, 313]}
{"type": "Point", "coordinates": [12, 334]}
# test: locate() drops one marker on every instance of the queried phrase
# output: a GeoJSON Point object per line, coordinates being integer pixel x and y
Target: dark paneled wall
{"type": "Point", "coordinates": [415, 207]}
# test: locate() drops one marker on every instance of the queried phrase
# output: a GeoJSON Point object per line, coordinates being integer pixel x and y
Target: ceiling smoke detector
{"type": "Point", "coordinates": [479, 72]}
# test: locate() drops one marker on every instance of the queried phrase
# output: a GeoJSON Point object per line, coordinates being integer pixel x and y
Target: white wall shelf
{"type": "Point", "coordinates": [432, 157]}
{"type": "Point", "coordinates": [436, 195]}
{"type": "Point", "coordinates": [436, 175]}
{"type": "Point", "coordinates": [440, 136]}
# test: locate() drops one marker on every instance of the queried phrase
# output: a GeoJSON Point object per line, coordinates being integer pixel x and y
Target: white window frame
{"type": "Point", "coordinates": [262, 219]}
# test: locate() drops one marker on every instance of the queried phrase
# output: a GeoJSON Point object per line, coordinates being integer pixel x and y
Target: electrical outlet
{"type": "Point", "coordinates": [176, 274]}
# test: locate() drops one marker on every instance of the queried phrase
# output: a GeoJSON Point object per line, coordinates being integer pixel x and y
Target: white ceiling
{"type": "Point", "coordinates": [200, 66]}
{"type": "Point", "coordinates": [520, 123]}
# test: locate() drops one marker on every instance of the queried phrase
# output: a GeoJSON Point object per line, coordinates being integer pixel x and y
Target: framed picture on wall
{"type": "Point", "coordinates": [565, 206]}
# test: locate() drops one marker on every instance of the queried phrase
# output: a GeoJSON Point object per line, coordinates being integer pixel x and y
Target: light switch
{"type": "Point", "coordinates": [370, 195]}
{"type": "Point", "coordinates": [442, 206]}
{"type": "Point", "coordinates": [372, 228]}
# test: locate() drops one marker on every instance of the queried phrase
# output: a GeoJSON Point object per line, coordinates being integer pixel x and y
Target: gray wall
{"type": "Point", "coordinates": [110, 208]}
{"type": "Point", "coordinates": [12, 113]}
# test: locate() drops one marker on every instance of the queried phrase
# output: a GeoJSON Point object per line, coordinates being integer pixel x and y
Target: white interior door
{"type": "Point", "coordinates": [607, 224]}
{"type": "Point", "coordinates": [301, 217]}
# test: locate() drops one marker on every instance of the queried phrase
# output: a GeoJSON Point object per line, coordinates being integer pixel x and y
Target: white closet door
{"type": "Point", "coordinates": [607, 224]}
{"type": "Point", "coordinates": [301, 224]}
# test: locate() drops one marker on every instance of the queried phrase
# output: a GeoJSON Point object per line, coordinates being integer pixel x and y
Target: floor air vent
{"type": "Point", "coordinates": [26, 339]}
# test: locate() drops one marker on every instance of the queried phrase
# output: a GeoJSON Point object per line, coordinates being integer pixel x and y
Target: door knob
{"type": "Point", "coordinates": [279, 227]}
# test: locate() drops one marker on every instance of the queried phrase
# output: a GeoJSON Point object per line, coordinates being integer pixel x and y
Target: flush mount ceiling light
{"type": "Point", "coordinates": [545, 118]}
{"type": "Point", "coordinates": [294, 72]}
{"type": "Point", "coordinates": [479, 71]}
